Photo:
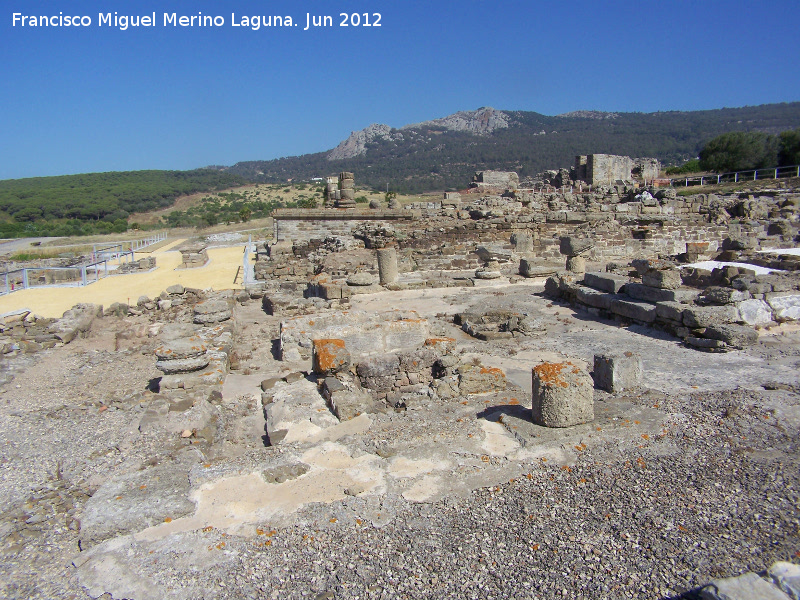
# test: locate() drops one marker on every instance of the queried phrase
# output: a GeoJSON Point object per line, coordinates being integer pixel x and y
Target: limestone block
{"type": "Point", "coordinates": [418, 361]}
{"type": "Point", "coordinates": [703, 316]}
{"type": "Point", "coordinates": [475, 379]}
{"type": "Point", "coordinates": [670, 311]}
{"type": "Point", "coordinates": [633, 309]}
{"type": "Point", "coordinates": [75, 321]}
{"type": "Point", "coordinates": [785, 306]}
{"type": "Point", "coordinates": [787, 577]}
{"type": "Point", "coordinates": [441, 346]}
{"type": "Point", "coordinates": [563, 395]}
{"type": "Point", "coordinates": [576, 264]}
{"type": "Point", "coordinates": [528, 268]}
{"type": "Point", "coordinates": [361, 279]}
{"type": "Point", "coordinates": [573, 246]}
{"type": "Point", "coordinates": [180, 348]}
{"type": "Point", "coordinates": [755, 312]}
{"type": "Point", "coordinates": [595, 299]}
{"type": "Point", "coordinates": [387, 265]}
{"type": "Point", "coordinates": [345, 400]}
{"type": "Point", "coordinates": [605, 282]}
{"type": "Point", "coordinates": [705, 343]}
{"type": "Point", "coordinates": [617, 372]}
{"type": "Point", "coordinates": [722, 295]}
{"type": "Point", "coordinates": [385, 365]}
{"type": "Point", "coordinates": [744, 587]}
{"type": "Point", "coordinates": [737, 336]}
{"type": "Point", "coordinates": [666, 279]}
{"type": "Point", "coordinates": [330, 356]}
{"type": "Point", "coordinates": [183, 365]}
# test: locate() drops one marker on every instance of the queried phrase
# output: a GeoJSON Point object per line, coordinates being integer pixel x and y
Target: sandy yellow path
{"type": "Point", "coordinates": [52, 302]}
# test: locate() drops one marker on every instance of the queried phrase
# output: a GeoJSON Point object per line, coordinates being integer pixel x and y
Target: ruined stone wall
{"type": "Point", "coordinates": [605, 169]}
{"type": "Point", "coordinates": [304, 225]}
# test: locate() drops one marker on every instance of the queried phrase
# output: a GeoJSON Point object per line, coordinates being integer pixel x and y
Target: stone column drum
{"type": "Point", "coordinates": [387, 265]}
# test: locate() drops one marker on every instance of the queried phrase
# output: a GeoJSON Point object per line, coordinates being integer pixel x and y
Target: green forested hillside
{"type": "Point", "coordinates": [96, 202]}
{"type": "Point", "coordinates": [430, 159]}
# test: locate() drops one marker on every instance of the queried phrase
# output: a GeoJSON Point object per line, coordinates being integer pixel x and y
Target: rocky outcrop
{"type": "Point", "coordinates": [356, 144]}
{"type": "Point", "coordinates": [483, 121]}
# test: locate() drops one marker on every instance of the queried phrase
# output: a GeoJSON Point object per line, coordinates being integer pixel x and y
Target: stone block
{"type": "Point", "coordinates": [704, 343]}
{"type": "Point", "coordinates": [419, 360]}
{"type": "Point", "coordinates": [605, 282]}
{"type": "Point", "coordinates": [665, 279]}
{"type": "Point", "coordinates": [595, 299]}
{"type": "Point", "coordinates": [643, 312]}
{"type": "Point", "coordinates": [442, 346]}
{"type": "Point", "coordinates": [475, 379]}
{"type": "Point", "coordinates": [737, 336]}
{"type": "Point", "coordinates": [330, 356]}
{"type": "Point", "coordinates": [722, 295]}
{"type": "Point", "coordinates": [755, 312]}
{"type": "Point", "coordinates": [639, 291]}
{"type": "Point", "coordinates": [786, 307]}
{"type": "Point", "coordinates": [670, 311]}
{"type": "Point", "coordinates": [744, 587]}
{"type": "Point", "coordinates": [563, 395]}
{"type": "Point", "coordinates": [787, 577]}
{"type": "Point", "coordinates": [617, 372]}
{"type": "Point", "coordinates": [704, 316]}
{"type": "Point", "coordinates": [180, 348]}
{"type": "Point", "coordinates": [574, 246]}
{"type": "Point", "coordinates": [576, 264]}
{"type": "Point", "coordinates": [386, 365]}
{"type": "Point", "coordinates": [528, 268]}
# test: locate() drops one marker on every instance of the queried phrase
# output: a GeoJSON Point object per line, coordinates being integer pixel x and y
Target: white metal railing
{"type": "Point", "coordinates": [737, 176]}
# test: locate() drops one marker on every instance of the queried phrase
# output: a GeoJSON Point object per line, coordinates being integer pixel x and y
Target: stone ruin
{"type": "Point", "coordinates": [340, 191]}
{"type": "Point", "coordinates": [193, 256]}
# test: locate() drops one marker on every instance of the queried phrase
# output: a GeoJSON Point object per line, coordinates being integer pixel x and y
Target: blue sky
{"type": "Point", "coordinates": [84, 99]}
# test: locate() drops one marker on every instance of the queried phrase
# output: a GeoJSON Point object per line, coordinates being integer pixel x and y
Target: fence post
{"type": "Point", "coordinates": [24, 279]}
{"type": "Point", "coordinates": [776, 173]}
{"type": "Point", "coordinates": [7, 282]}
{"type": "Point", "coordinates": [736, 177]}
{"type": "Point", "coordinates": [83, 275]}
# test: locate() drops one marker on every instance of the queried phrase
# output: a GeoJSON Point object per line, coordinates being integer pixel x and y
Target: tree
{"type": "Point", "coordinates": [739, 151]}
{"type": "Point", "coordinates": [245, 213]}
{"type": "Point", "coordinates": [789, 153]}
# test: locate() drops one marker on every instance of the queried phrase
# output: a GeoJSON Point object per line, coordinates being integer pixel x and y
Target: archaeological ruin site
{"type": "Point", "coordinates": [580, 385]}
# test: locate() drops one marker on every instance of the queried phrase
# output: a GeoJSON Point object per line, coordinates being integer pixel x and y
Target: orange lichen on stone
{"type": "Point", "coordinates": [326, 358]}
{"type": "Point", "coordinates": [492, 371]}
{"type": "Point", "coordinates": [549, 374]}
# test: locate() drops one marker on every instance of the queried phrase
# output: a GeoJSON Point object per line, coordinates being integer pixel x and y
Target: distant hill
{"type": "Point", "coordinates": [96, 202]}
{"type": "Point", "coordinates": [444, 153]}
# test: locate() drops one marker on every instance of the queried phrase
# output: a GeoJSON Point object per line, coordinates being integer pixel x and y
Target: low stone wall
{"type": "Point", "coordinates": [719, 317]}
{"type": "Point", "coordinates": [365, 334]}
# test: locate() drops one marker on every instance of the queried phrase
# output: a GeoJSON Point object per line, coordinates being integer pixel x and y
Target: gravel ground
{"type": "Point", "coordinates": [714, 494]}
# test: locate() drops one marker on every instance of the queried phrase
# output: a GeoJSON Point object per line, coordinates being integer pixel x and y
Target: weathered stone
{"type": "Point", "coordinates": [573, 246]}
{"type": "Point", "coordinates": [529, 268]}
{"type": "Point", "coordinates": [787, 577]}
{"type": "Point", "coordinates": [703, 316]}
{"type": "Point", "coordinates": [385, 365]}
{"type": "Point", "coordinates": [183, 365]}
{"type": "Point", "coordinates": [360, 279]}
{"type": "Point", "coordinates": [595, 299]}
{"type": "Point", "coordinates": [562, 395]}
{"type": "Point", "coordinates": [77, 320]}
{"type": "Point", "coordinates": [643, 265]}
{"type": "Point", "coordinates": [330, 356]}
{"type": "Point", "coordinates": [755, 312]}
{"type": "Point", "coordinates": [134, 501]}
{"type": "Point", "coordinates": [705, 343]}
{"type": "Point", "coordinates": [210, 318]}
{"type": "Point", "coordinates": [632, 309]}
{"type": "Point", "coordinates": [722, 295]}
{"type": "Point", "coordinates": [576, 264]}
{"type": "Point", "coordinates": [785, 306]}
{"type": "Point", "coordinates": [419, 360]}
{"type": "Point", "coordinates": [670, 311]}
{"type": "Point", "coordinates": [665, 279]}
{"type": "Point", "coordinates": [445, 345]}
{"type": "Point", "coordinates": [744, 587]}
{"type": "Point", "coordinates": [387, 265]}
{"type": "Point", "coordinates": [475, 379]}
{"type": "Point", "coordinates": [617, 372]}
{"type": "Point", "coordinates": [180, 348]}
{"type": "Point", "coordinates": [605, 282]}
{"type": "Point", "coordinates": [176, 289]}
{"type": "Point", "coordinates": [737, 336]}
{"type": "Point", "coordinates": [487, 273]}
{"type": "Point", "coordinates": [639, 291]}
{"type": "Point", "coordinates": [345, 400]}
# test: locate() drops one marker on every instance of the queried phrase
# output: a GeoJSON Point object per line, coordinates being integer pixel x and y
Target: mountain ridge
{"type": "Point", "coordinates": [444, 152]}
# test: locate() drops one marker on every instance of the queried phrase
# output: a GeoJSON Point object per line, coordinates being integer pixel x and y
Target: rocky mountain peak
{"type": "Point", "coordinates": [356, 143]}
{"type": "Point", "coordinates": [480, 122]}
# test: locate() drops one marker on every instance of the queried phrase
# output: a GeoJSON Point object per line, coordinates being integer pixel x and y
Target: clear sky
{"type": "Point", "coordinates": [97, 98]}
